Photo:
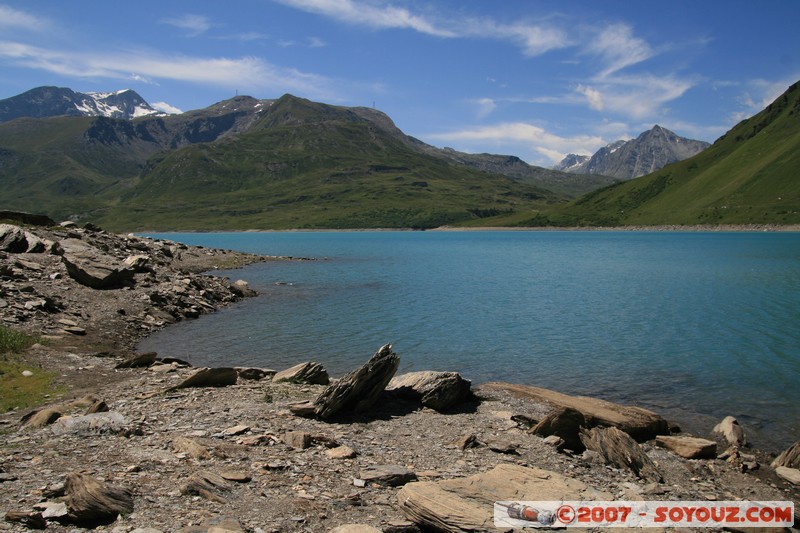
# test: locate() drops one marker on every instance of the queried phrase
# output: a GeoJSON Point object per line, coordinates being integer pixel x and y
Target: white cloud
{"type": "Point", "coordinates": [484, 106]}
{"type": "Point", "coordinates": [166, 108]}
{"type": "Point", "coordinates": [375, 16]}
{"type": "Point", "coordinates": [635, 96]}
{"type": "Point", "coordinates": [194, 24]}
{"type": "Point", "coordinates": [521, 137]}
{"type": "Point", "coordinates": [249, 73]}
{"type": "Point", "coordinates": [533, 39]}
{"type": "Point", "coordinates": [14, 18]}
{"type": "Point", "coordinates": [593, 97]}
{"type": "Point", "coordinates": [618, 48]}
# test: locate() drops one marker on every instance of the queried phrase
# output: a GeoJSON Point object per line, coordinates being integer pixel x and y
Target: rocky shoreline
{"type": "Point", "coordinates": [131, 447]}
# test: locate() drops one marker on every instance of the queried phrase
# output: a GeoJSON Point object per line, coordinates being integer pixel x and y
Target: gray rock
{"type": "Point", "coordinates": [792, 475]}
{"type": "Point", "coordinates": [139, 360]}
{"type": "Point", "coordinates": [358, 390]}
{"type": "Point", "coordinates": [12, 239]}
{"type": "Point", "coordinates": [90, 267]}
{"type": "Point", "coordinates": [438, 390]}
{"type": "Point", "coordinates": [95, 423]}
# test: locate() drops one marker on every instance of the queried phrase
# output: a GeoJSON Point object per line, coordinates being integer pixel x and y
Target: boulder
{"type": "Point", "coordinates": [90, 267]}
{"type": "Point", "coordinates": [12, 239]}
{"type": "Point", "coordinates": [209, 377]}
{"type": "Point", "coordinates": [465, 504]}
{"type": "Point", "coordinates": [27, 218]}
{"type": "Point", "coordinates": [93, 502]}
{"type": "Point", "coordinates": [299, 440]}
{"type": "Point", "coordinates": [310, 372]}
{"type": "Point", "coordinates": [92, 424]}
{"type": "Point", "coordinates": [341, 452]}
{"type": "Point", "coordinates": [254, 374]}
{"type": "Point", "coordinates": [619, 449]}
{"type": "Point", "coordinates": [731, 431]}
{"type": "Point", "coordinates": [29, 519]}
{"type": "Point", "coordinates": [789, 457]}
{"type": "Point", "coordinates": [358, 390]}
{"type": "Point", "coordinates": [641, 424]}
{"type": "Point", "coordinates": [438, 390]}
{"type": "Point", "coordinates": [688, 447]}
{"type": "Point", "coordinates": [564, 423]}
{"type": "Point", "coordinates": [792, 475]}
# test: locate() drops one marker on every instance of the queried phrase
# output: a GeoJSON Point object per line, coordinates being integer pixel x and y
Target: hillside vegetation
{"type": "Point", "coordinates": [751, 175]}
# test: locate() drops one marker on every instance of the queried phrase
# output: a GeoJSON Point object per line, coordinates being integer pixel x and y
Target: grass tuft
{"type": "Point", "coordinates": [17, 390]}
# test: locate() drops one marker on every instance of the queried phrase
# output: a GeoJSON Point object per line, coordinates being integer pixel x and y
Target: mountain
{"type": "Point", "coordinates": [247, 163]}
{"type": "Point", "coordinates": [652, 150]}
{"type": "Point", "coordinates": [57, 101]}
{"type": "Point", "coordinates": [750, 175]}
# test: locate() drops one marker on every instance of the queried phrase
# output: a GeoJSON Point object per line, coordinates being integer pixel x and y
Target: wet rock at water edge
{"type": "Point", "coordinates": [731, 431]}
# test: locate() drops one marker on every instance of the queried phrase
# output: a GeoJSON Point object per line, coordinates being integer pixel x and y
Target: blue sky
{"type": "Point", "coordinates": [536, 79]}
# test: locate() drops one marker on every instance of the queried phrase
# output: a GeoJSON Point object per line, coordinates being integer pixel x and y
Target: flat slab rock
{"type": "Point", "coordinates": [639, 423]}
{"type": "Point", "coordinates": [688, 447]}
{"type": "Point", "coordinates": [467, 504]}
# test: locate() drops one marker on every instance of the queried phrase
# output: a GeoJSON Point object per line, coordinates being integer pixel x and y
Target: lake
{"type": "Point", "coordinates": [693, 325]}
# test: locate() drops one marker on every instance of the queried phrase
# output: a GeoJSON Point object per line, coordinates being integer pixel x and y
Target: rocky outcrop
{"type": "Point", "coordinates": [360, 389]}
{"type": "Point", "coordinates": [465, 504]}
{"type": "Point", "coordinates": [88, 266]}
{"type": "Point", "coordinates": [639, 423]}
{"type": "Point", "coordinates": [438, 390]}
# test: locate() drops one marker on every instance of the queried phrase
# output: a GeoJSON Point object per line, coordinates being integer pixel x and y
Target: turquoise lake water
{"type": "Point", "coordinates": [695, 326]}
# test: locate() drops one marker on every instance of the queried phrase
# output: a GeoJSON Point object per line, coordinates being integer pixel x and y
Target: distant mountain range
{"type": "Point", "coordinates": [750, 175]}
{"type": "Point", "coordinates": [56, 101]}
{"type": "Point", "coordinates": [288, 162]}
{"type": "Point", "coordinates": [652, 150]}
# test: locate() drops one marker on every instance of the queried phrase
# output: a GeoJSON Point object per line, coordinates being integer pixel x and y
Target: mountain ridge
{"type": "Point", "coordinates": [50, 101]}
{"type": "Point", "coordinates": [652, 150]}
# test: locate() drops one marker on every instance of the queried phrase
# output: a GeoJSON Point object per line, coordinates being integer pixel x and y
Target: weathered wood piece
{"type": "Point", "coordinates": [790, 457]}
{"type": "Point", "coordinates": [466, 504]}
{"type": "Point", "coordinates": [358, 390]}
{"type": "Point", "coordinates": [619, 449]}
{"type": "Point", "coordinates": [90, 501]}
{"type": "Point", "coordinates": [641, 424]}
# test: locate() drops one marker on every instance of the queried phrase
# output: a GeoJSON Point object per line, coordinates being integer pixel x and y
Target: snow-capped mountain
{"type": "Point", "coordinates": [652, 150]}
{"type": "Point", "coordinates": [56, 101]}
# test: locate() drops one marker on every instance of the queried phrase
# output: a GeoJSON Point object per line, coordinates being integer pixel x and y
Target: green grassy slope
{"type": "Point", "coordinates": [751, 175]}
{"type": "Point", "coordinates": [306, 165]}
